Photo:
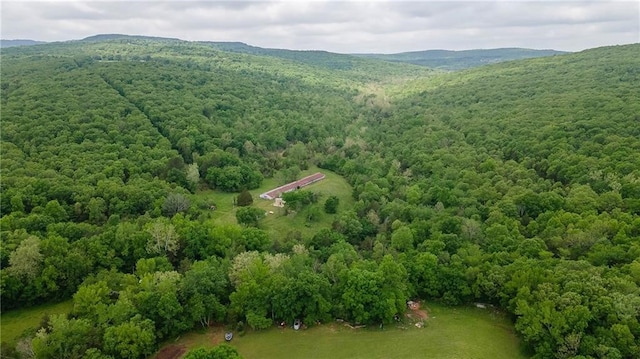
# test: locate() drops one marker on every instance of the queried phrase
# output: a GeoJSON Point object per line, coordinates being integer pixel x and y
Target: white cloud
{"type": "Point", "coordinates": [362, 26]}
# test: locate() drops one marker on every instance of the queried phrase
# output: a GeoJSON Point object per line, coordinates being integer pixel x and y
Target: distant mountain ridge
{"type": "Point", "coordinates": [108, 37]}
{"type": "Point", "coordinates": [458, 60]}
{"type": "Point", "coordinates": [19, 42]}
{"type": "Point", "coordinates": [439, 59]}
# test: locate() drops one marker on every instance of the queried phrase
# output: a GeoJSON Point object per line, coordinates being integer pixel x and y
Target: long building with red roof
{"type": "Point", "coordinates": [277, 192]}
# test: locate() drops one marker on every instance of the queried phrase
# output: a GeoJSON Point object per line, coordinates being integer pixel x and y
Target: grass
{"type": "Point", "coordinates": [15, 322]}
{"type": "Point", "coordinates": [462, 332]}
{"type": "Point", "coordinates": [278, 223]}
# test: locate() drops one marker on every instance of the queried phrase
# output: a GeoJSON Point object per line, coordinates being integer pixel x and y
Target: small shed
{"type": "Point", "coordinates": [279, 202]}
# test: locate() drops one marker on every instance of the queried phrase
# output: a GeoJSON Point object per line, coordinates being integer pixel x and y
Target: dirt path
{"type": "Point", "coordinates": [171, 352]}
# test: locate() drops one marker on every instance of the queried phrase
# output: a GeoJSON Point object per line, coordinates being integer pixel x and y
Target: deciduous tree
{"type": "Point", "coordinates": [164, 239]}
{"type": "Point", "coordinates": [26, 261]}
{"type": "Point", "coordinates": [175, 203]}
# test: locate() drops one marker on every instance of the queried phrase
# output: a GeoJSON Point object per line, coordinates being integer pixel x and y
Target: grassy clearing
{"type": "Point", "coordinates": [463, 332]}
{"type": "Point", "coordinates": [279, 224]}
{"type": "Point", "coordinates": [15, 322]}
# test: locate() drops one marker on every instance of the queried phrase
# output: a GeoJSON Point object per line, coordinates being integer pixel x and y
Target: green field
{"type": "Point", "coordinates": [278, 223]}
{"type": "Point", "coordinates": [15, 322]}
{"type": "Point", "coordinates": [463, 332]}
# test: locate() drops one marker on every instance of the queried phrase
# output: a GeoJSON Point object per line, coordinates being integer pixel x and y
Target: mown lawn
{"type": "Point", "coordinates": [15, 322]}
{"type": "Point", "coordinates": [460, 333]}
{"type": "Point", "coordinates": [278, 223]}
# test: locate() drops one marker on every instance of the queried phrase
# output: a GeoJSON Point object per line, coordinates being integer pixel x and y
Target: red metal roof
{"type": "Point", "coordinates": [276, 192]}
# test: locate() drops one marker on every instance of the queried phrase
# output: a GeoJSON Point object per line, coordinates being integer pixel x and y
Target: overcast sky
{"type": "Point", "coordinates": [338, 26]}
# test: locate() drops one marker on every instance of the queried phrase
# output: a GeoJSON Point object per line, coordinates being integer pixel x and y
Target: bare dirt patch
{"type": "Point", "coordinates": [415, 313]}
{"type": "Point", "coordinates": [210, 337]}
{"type": "Point", "coordinates": [171, 352]}
{"type": "Point", "coordinates": [216, 335]}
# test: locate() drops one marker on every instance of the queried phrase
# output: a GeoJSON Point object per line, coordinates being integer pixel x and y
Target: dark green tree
{"type": "Point", "coordinates": [331, 204]}
{"type": "Point", "coordinates": [244, 199]}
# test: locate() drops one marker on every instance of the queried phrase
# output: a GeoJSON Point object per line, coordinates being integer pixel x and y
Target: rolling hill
{"type": "Point", "coordinates": [437, 59]}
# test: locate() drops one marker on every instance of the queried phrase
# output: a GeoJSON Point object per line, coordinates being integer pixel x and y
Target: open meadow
{"type": "Point", "coordinates": [279, 223]}
{"type": "Point", "coordinates": [15, 322]}
{"type": "Point", "coordinates": [458, 332]}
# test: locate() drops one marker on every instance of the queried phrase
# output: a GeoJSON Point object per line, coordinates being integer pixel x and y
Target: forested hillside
{"type": "Point", "coordinates": [514, 184]}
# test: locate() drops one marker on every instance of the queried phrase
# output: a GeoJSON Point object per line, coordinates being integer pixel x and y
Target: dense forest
{"type": "Point", "coordinates": [514, 184]}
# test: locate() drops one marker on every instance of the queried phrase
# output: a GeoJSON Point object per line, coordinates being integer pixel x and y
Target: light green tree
{"type": "Point", "coordinates": [26, 261]}
{"type": "Point", "coordinates": [164, 239]}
